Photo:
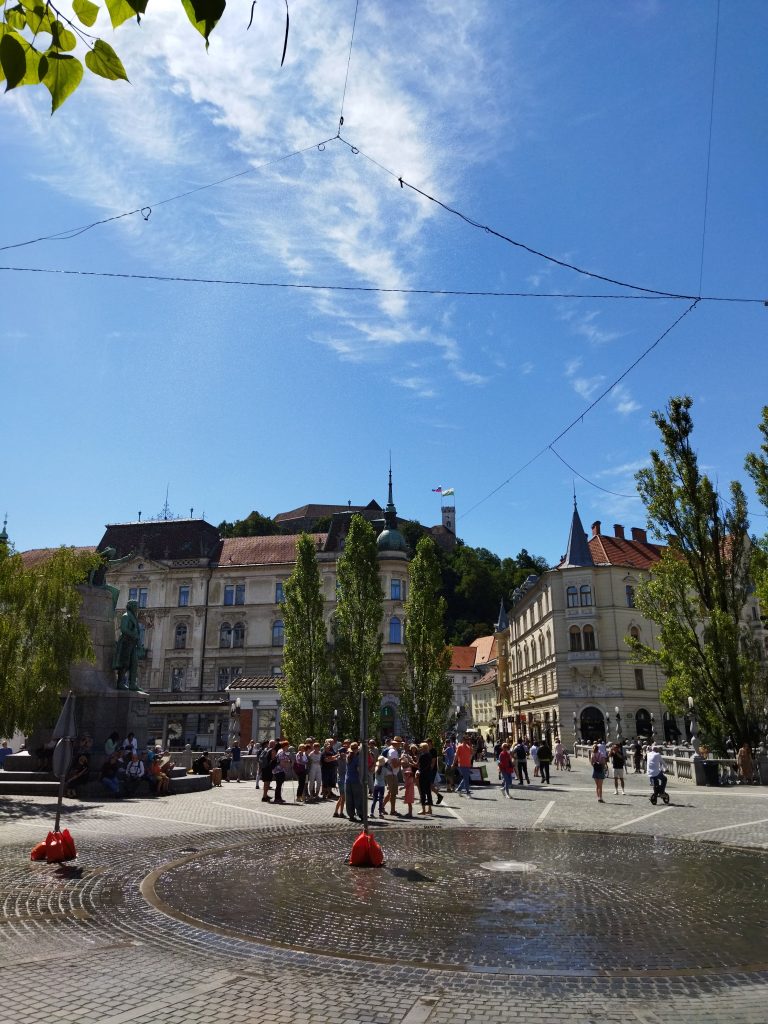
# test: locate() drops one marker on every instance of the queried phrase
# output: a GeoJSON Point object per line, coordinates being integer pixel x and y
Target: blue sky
{"type": "Point", "coordinates": [580, 129]}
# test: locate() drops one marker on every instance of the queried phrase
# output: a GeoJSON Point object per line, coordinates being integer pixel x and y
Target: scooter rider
{"type": "Point", "coordinates": [656, 776]}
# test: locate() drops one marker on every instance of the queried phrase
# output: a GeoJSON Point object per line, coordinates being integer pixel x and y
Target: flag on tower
{"type": "Point", "coordinates": [446, 491]}
{"type": "Point", "coordinates": [437, 490]}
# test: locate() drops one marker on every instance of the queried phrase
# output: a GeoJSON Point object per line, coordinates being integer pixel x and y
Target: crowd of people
{"type": "Point", "coordinates": [124, 769]}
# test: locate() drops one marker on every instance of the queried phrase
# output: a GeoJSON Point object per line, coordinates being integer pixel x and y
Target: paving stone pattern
{"type": "Point", "coordinates": [85, 946]}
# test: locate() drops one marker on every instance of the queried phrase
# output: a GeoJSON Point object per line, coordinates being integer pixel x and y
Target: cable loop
{"type": "Point", "coordinates": [145, 212]}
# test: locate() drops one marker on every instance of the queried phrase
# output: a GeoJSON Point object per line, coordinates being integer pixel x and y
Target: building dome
{"type": "Point", "coordinates": [391, 541]}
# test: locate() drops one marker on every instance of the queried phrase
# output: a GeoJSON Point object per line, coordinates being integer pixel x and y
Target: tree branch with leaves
{"type": "Point", "coordinates": [698, 592]}
{"type": "Point", "coordinates": [40, 41]}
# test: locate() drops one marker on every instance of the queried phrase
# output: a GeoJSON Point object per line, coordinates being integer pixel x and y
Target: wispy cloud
{"type": "Point", "coordinates": [332, 216]}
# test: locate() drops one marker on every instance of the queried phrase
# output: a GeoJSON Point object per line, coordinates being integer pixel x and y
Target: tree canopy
{"type": "Point", "coordinates": [698, 591]}
{"type": "Point", "coordinates": [305, 688]}
{"type": "Point", "coordinates": [426, 691]}
{"type": "Point", "coordinates": [41, 43]}
{"type": "Point", "coordinates": [41, 633]}
{"type": "Point", "coordinates": [254, 525]}
{"type": "Point", "coordinates": [356, 624]}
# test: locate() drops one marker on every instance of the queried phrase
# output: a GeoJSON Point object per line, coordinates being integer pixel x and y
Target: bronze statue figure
{"type": "Point", "coordinates": [128, 649]}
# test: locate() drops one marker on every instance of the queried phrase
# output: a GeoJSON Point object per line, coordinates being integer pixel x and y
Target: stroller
{"type": "Point", "coordinates": [659, 784]}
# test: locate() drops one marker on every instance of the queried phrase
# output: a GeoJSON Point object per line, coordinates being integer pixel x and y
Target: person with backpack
{"type": "Point", "coordinates": [520, 752]}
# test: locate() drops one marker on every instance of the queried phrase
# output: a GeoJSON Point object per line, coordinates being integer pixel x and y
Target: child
{"type": "Point", "coordinates": [379, 785]}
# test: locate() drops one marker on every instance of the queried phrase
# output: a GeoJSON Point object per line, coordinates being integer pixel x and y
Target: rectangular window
{"type": "Point", "coordinates": [639, 681]}
{"type": "Point", "coordinates": [234, 593]}
{"type": "Point", "coordinates": [279, 592]}
{"type": "Point", "coordinates": [395, 590]}
{"type": "Point", "coordinates": [183, 597]}
{"type": "Point", "coordinates": [630, 596]}
{"type": "Point", "coordinates": [277, 670]}
{"type": "Point", "coordinates": [138, 594]}
{"type": "Point", "coordinates": [177, 680]}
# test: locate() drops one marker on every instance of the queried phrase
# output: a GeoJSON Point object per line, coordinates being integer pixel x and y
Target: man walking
{"type": "Point", "coordinates": [545, 760]}
{"type": "Point", "coordinates": [463, 761]}
{"type": "Point", "coordinates": [521, 761]}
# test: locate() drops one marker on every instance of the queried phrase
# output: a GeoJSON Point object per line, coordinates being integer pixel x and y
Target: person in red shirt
{"type": "Point", "coordinates": [464, 763]}
{"type": "Point", "coordinates": [507, 769]}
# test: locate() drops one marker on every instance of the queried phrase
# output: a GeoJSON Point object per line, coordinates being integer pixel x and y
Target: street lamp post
{"type": "Point", "coordinates": [335, 723]}
{"type": "Point", "coordinates": [608, 725]}
{"type": "Point", "coordinates": [653, 729]}
{"type": "Point", "coordinates": [619, 733]}
{"type": "Point", "coordinates": [575, 731]}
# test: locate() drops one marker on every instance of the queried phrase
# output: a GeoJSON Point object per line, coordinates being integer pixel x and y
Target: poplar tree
{"type": "Point", "coordinates": [426, 692]}
{"type": "Point", "coordinates": [698, 590]}
{"type": "Point", "coordinates": [757, 467]}
{"type": "Point", "coordinates": [305, 689]}
{"type": "Point", "coordinates": [41, 633]}
{"type": "Point", "coordinates": [356, 625]}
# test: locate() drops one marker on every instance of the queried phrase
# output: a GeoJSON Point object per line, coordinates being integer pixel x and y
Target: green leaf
{"type": "Point", "coordinates": [122, 10]}
{"type": "Point", "coordinates": [86, 12]}
{"type": "Point", "coordinates": [38, 18]}
{"type": "Point", "coordinates": [64, 74]}
{"type": "Point", "coordinates": [16, 18]}
{"type": "Point", "coordinates": [102, 60]}
{"type": "Point", "coordinates": [63, 39]}
{"type": "Point", "coordinates": [13, 60]}
{"type": "Point", "coordinates": [204, 15]}
{"type": "Point", "coordinates": [37, 67]}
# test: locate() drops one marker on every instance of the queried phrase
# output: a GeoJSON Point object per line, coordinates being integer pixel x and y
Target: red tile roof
{"type": "Point", "coordinates": [255, 683]}
{"type": "Point", "coordinates": [637, 554]}
{"type": "Point", "coordinates": [462, 659]}
{"type": "Point", "coordinates": [262, 550]}
{"type": "Point", "coordinates": [486, 679]}
{"type": "Point", "coordinates": [486, 649]}
{"type": "Point", "coordinates": [37, 555]}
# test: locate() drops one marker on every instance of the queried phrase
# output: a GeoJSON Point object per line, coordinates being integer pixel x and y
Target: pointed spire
{"type": "Point", "coordinates": [390, 514]}
{"type": "Point", "coordinates": [4, 533]}
{"type": "Point", "coordinates": [578, 552]}
{"type": "Point", "coordinates": [503, 622]}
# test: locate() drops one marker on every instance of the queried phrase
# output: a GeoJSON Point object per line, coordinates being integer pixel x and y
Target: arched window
{"type": "Point", "coordinates": [395, 630]}
{"type": "Point", "coordinates": [634, 632]}
{"type": "Point", "coordinates": [572, 597]}
{"type": "Point", "coordinates": [549, 644]}
{"type": "Point", "coordinates": [585, 595]}
{"type": "Point", "coordinates": [180, 637]}
{"type": "Point", "coordinates": [238, 634]}
{"type": "Point", "coordinates": [278, 633]}
{"type": "Point", "coordinates": [541, 648]}
{"type": "Point", "coordinates": [225, 635]}
{"type": "Point", "coordinates": [574, 634]}
{"type": "Point", "coordinates": [592, 725]}
{"type": "Point", "coordinates": [589, 638]}
{"type": "Point", "coordinates": [533, 653]}
{"type": "Point", "coordinates": [527, 659]}
{"type": "Point", "coordinates": [643, 725]}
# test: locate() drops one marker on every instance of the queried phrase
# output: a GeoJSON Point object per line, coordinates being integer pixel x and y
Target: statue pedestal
{"type": "Point", "coordinates": [101, 707]}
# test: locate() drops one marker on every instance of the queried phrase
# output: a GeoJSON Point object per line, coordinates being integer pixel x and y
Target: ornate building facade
{"type": "Point", "coordinates": [210, 613]}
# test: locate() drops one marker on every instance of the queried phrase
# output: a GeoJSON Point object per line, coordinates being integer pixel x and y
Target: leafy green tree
{"type": "Point", "coordinates": [356, 625]}
{"type": "Point", "coordinates": [757, 467]}
{"type": "Point", "coordinates": [426, 693]}
{"type": "Point", "coordinates": [39, 40]}
{"type": "Point", "coordinates": [306, 687]}
{"type": "Point", "coordinates": [697, 593]}
{"type": "Point", "coordinates": [254, 525]}
{"type": "Point", "coordinates": [41, 633]}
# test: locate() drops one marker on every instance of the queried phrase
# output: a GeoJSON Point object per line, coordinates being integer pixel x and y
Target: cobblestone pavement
{"type": "Point", "coordinates": [87, 945]}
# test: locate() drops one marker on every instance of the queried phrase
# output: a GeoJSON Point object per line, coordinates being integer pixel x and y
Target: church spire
{"type": "Point", "coordinates": [390, 514]}
{"type": "Point", "coordinates": [503, 621]}
{"type": "Point", "coordinates": [578, 552]}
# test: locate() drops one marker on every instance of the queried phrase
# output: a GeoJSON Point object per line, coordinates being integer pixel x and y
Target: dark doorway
{"type": "Point", "coordinates": [592, 725]}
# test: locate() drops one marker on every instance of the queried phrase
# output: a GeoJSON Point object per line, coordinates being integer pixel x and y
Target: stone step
{"type": "Point", "coordinates": [7, 776]}
{"type": "Point", "coordinates": [21, 788]}
{"type": "Point", "coordinates": [190, 783]}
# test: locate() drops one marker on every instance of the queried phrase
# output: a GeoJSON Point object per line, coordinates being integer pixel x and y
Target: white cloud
{"type": "Point", "coordinates": [419, 385]}
{"type": "Point", "coordinates": [623, 401]}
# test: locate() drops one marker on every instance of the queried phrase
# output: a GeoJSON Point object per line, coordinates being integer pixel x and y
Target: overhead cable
{"type": "Point", "coordinates": [146, 209]}
{"type": "Point", "coordinates": [587, 480]}
{"type": "Point", "coordinates": [580, 417]}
